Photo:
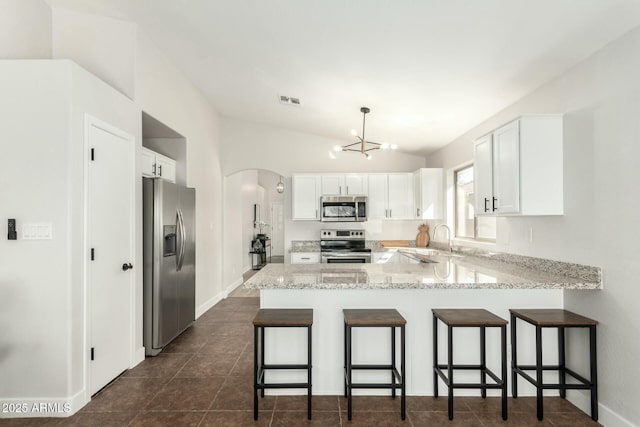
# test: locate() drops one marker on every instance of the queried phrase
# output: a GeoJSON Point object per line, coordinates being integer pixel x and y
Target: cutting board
{"type": "Point", "coordinates": [395, 243]}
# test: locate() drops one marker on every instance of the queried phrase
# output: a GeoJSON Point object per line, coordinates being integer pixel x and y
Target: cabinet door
{"type": "Point", "coordinates": [165, 168]}
{"type": "Point", "coordinates": [506, 168]}
{"type": "Point", "coordinates": [333, 185]}
{"type": "Point", "coordinates": [148, 163]}
{"type": "Point", "coordinates": [400, 198]}
{"type": "Point", "coordinates": [305, 258]}
{"type": "Point", "coordinates": [305, 197]}
{"type": "Point", "coordinates": [356, 184]}
{"type": "Point", "coordinates": [377, 196]}
{"type": "Point", "coordinates": [483, 175]}
{"type": "Point", "coordinates": [431, 194]}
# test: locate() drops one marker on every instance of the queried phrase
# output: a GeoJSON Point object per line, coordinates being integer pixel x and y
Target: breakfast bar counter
{"type": "Point", "coordinates": [427, 279]}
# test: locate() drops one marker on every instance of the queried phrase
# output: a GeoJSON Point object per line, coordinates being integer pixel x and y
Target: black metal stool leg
{"type": "Point", "coordinates": [539, 372]}
{"type": "Point", "coordinates": [393, 360]}
{"type": "Point", "coordinates": [594, 373]}
{"type": "Point", "coordinates": [309, 372]}
{"type": "Point", "coordinates": [345, 361]}
{"type": "Point", "coordinates": [403, 403]}
{"type": "Point", "coordinates": [255, 372]}
{"type": "Point", "coordinates": [562, 377]}
{"type": "Point", "coordinates": [450, 370]}
{"type": "Point", "coordinates": [435, 357]}
{"type": "Point", "coordinates": [503, 337]}
{"type": "Point", "coordinates": [514, 358]}
{"type": "Point", "coordinates": [483, 360]}
{"type": "Point", "coordinates": [262, 354]}
{"type": "Point", "coordinates": [349, 377]}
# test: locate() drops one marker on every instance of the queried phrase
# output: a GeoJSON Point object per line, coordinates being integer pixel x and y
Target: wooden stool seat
{"type": "Point", "coordinates": [559, 319]}
{"type": "Point", "coordinates": [373, 317]}
{"type": "Point", "coordinates": [553, 317]}
{"type": "Point", "coordinates": [284, 317]}
{"type": "Point", "coordinates": [468, 317]}
{"type": "Point", "coordinates": [377, 318]}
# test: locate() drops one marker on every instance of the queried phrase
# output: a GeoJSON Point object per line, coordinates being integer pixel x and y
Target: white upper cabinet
{"type": "Point", "coordinates": [344, 184]}
{"type": "Point", "coordinates": [332, 184]}
{"type": "Point", "coordinates": [356, 184]}
{"type": "Point", "coordinates": [483, 175]}
{"type": "Point", "coordinates": [305, 197]}
{"type": "Point", "coordinates": [428, 194]}
{"type": "Point", "coordinates": [391, 196]}
{"type": "Point", "coordinates": [377, 200]}
{"type": "Point", "coordinates": [155, 165]}
{"type": "Point", "coordinates": [400, 198]}
{"type": "Point", "coordinates": [518, 168]}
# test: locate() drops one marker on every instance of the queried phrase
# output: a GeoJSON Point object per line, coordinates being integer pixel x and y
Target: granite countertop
{"type": "Point", "coordinates": [441, 271]}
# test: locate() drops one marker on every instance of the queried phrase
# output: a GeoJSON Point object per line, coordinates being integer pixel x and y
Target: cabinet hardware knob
{"type": "Point", "coordinates": [486, 208]}
{"type": "Point", "coordinates": [495, 200]}
{"type": "Point", "coordinates": [160, 169]}
{"type": "Point", "coordinates": [127, 266]}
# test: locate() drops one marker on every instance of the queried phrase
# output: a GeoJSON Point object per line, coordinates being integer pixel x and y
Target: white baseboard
{"type": "Point", "coordinates": [606, 416]}
{"type": "Point", "coordinates": [46, 407]}
{"type": "Point", "coordinates": [233, 285]}
{"type": "Point", "coordinates": [138, 358]}
{"type": "Point", "coordinates": [208, 304]}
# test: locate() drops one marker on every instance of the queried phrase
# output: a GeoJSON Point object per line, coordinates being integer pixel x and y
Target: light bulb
{"type": "Point", "coordinates": [384, 146]}
{"type": "Point", "coordinates": [331, 155]}
{"type": "Point", "coordinates": [354, 132]}
{"type": "Point", "coordinates": [369, 157]}
{"type": "Point", "coordinates": [394, 146]}
{"type": "Point", "coordinates": [337, 148]}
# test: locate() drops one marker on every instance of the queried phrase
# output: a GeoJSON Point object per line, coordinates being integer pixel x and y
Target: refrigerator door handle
{"type": "Point", "coordinates": [183, 241]}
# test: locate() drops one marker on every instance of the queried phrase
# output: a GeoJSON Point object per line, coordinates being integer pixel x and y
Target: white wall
{"type": "Point", "coordinates": [256, 146]}
{"type": "Point", "coordinates": [41, 282]}
{"type": "Point", "coordinates": [25, 29]}
{"type": "Point", "coordinates": [601, 102]}
{"type": "Point", "coordinates": [101, 45]}
{"type": "Point", "coordinates": [48, 339]}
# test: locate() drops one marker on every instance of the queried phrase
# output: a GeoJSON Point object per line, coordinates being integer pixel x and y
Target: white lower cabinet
{"type": "Point", "coordinates": [305, 258]}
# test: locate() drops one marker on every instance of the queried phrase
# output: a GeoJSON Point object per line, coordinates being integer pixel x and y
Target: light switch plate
{"type": "Point", "coordinates": [41, 231]}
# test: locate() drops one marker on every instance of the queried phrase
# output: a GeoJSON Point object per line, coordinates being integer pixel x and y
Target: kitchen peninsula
{"type": "Point", "coordinates": [435, 279]}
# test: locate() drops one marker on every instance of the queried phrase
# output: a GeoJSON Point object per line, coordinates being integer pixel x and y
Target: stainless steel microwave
{"type": "Point", "coordinates": [344, 208]}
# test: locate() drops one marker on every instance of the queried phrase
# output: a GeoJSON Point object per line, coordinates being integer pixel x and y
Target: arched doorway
{"type": "Point", "coordinates": [253, 211]}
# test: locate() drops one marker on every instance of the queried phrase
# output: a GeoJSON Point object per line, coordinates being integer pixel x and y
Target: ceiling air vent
{"type": "Point", "coordinates": [289, 100]}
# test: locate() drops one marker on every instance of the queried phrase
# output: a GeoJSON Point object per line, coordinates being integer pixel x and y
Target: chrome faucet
{"type": "Point", "coordinates": [435, 230]}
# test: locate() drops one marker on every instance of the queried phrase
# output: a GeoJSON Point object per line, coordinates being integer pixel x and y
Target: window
{"type": "Point", "coordinates": [467, 225]}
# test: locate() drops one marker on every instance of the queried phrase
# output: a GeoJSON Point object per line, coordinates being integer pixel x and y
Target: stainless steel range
{"type": "Point", "coordinates": [344, 246]}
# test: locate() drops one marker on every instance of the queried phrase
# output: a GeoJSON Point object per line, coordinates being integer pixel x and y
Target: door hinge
{"type": "Point", "coordinates": [93, 154]}
{"type": "Point", "coordinates": [92, 353]}
{"type": "Point", "coordinates": [93, 254]}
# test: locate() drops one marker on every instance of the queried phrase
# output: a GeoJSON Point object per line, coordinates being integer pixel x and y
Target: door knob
{"type": "Point", "coordinates": [126, 266]}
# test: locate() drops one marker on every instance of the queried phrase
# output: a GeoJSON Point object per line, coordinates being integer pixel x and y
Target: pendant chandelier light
{"type": "Point", "coordinates": [280, 186]}
{"type": "Point", "coordinates": [363, 146]}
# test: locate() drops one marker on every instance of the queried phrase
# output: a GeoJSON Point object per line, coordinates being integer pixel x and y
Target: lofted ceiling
{"type": "Point", "coordinates": [428, 69]}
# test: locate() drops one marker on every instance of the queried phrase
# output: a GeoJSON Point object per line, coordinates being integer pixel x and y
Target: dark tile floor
{"type": "Point", "coordinates": [204, 378]}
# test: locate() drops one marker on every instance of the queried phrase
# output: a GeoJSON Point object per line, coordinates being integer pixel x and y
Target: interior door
{"type": "Point", "coordinates": [110, 236]}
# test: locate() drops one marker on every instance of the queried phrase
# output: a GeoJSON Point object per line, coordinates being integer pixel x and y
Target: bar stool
{"type": "Point", "coordinates": [279, 318]}
{"type": "Point", "coordinates": [466, 318]}
{"type": "Point", "coordinates": [560, 319]}
{"type": "Point", "coordinates": [375, 318]}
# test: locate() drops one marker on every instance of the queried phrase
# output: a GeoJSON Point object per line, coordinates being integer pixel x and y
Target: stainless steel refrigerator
{"type": "Point", "coordinates": [169, 261]}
